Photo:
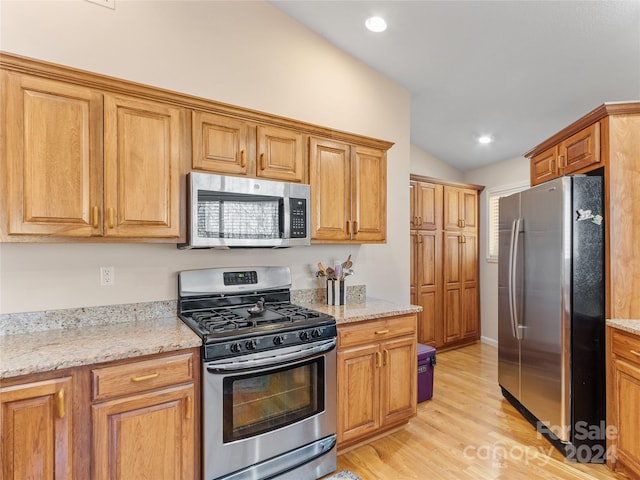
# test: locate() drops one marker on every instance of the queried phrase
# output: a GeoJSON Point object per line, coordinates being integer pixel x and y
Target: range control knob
{"type": "Point", "coordinates": [251, 345]}
{"type": "Point", "coordinates": [315, 333]}
{"type": "Point", "coordinates": [304, 335]}
{"type": "Point", "coordinates": [236, 347]}
{"type": "Point", "coordinates": [278, 340]}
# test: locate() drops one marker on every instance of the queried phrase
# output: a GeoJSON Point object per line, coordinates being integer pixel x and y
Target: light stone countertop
{"type": "Point", "coordinates": [368, 309]}
{"type": "Point", "coordinates": [47, 341]}
{"type": "Point", "coordinates": [631, 326]}
{"type": "Point", "coordinates": [55, 349]}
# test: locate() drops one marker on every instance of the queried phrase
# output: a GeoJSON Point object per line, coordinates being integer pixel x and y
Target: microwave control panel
{"type": "Point", "coordinates": [298, 207]}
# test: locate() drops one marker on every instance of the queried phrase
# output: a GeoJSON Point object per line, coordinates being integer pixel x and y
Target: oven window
{"type": "Point", "coordinates": [262, 402]}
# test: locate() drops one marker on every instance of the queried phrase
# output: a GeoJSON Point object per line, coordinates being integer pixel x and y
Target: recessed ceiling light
{"type": "Point", "coordinates": [485, 139]}
{"type": "Point", "coordinates": [376, 24]}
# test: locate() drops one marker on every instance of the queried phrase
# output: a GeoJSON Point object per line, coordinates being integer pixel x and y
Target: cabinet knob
{"type": "Point", "coordinates": [378, 360]}
{"type": "Point", "coordinates": [262, 162]}
{"type": "Point", "coordinates": [243, 158]}
{"type": "Point", "coordinates": [355, 227]}
{"type": "Point", "coordinates": [348, 227]}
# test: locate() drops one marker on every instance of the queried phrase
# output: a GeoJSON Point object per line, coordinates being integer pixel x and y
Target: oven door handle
{"type": "Point", "coordinates": [304, 352]}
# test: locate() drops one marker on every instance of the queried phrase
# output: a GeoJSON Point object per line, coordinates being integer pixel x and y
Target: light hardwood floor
{"type": "Point", "coordinates": [467, 431]}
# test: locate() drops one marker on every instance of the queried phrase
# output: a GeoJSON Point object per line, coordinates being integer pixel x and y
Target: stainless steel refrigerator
{"type": "Point", "coordinates": [551, 310]}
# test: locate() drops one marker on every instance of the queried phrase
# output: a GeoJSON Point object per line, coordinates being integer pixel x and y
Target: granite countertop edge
{"type": "Point", "coordinates": [82, 345]}
{"type": "Point", "coordinates": [370, 309]}
{"type": "Point", "coordinates": [628, 325]}
{"type": "Point", "coordinates": [61, 348]}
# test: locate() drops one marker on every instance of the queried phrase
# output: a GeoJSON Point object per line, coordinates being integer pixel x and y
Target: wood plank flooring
{"type": "Point", "coordinates": [467, 431]}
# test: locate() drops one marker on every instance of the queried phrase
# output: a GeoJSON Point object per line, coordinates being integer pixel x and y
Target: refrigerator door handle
{"type": "Point", "coordinates": [513, 263]}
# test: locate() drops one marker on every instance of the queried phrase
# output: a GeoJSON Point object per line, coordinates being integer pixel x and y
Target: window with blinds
{"type": "Point", "coordinates": [493, 215]}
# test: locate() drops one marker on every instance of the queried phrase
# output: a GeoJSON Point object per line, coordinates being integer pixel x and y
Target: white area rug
{"type": "Point", "coordinates": [343, 475]}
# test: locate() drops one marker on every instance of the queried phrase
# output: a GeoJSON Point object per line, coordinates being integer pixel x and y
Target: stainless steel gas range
{"type": "Point", "coordinates": [269, 375]}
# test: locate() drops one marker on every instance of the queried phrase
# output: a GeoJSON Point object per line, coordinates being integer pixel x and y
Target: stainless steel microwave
{"type": "Point", "coordinates": [226, 212]}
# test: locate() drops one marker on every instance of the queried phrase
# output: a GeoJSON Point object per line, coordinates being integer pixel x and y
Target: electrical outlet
{"type": "Point", "coordinates": [107, 276]}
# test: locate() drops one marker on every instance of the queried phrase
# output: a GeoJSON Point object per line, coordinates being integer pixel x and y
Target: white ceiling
{"type": "Point", "coordinates": [516, 70]}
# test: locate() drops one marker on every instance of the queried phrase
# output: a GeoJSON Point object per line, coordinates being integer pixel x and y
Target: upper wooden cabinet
{"type": "Point", "coordinates": [606, 141]}
{"type": "Point", "coordinates": [142, 148]}
{"type": "Point", "coordinates": [87, 157]}
{"type": "Point", "coordinates": [348, 192]}
{"type": "Point", "coordinates": [36, 428]}
{"type": "Point", "coordinates": [280, 154]}
{"type": "Point", "coordinates": [460, 208]}
{"type": "Point", "coordinates": [425, 202]}
{"type": "Point", "coordinates": [53, 157]}
{"type": "Point", "coordinates": [81, 163]}
{"type": "Point", "coordinates": [578, 152]}
{"type": "Point", "coordinates": [219, 144]}
{"type": "Point", "coordinates": [228, 145]}
{"type": "Point", "coordinates": [545, 166]}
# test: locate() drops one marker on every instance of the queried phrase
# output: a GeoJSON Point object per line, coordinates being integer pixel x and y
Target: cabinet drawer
{"type": "Point", "coordinates": [139, 376]}
{"type": "Point", "coordinates": [627, 346]}
{"type": "Point", "coordinates": [375, 330]}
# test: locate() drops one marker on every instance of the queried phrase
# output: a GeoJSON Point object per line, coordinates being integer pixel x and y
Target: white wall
{"type": "Point", "coordinates": [243, 53]}
{"type": "Point", "coordinates": [423, 163]}
{"type": "Point", "coordinates": [500, 174]}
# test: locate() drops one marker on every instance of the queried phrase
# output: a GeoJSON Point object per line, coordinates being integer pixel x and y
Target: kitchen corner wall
{"type": "Point", "coordinates": [243, 53]}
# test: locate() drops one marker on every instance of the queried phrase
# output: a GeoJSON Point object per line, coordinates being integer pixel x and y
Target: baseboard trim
{"type": "Point", "coordinates": [489, 341]}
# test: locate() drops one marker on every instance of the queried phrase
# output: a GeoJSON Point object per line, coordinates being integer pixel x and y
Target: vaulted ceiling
{"type": "Point", "coordinates": [518, 71]}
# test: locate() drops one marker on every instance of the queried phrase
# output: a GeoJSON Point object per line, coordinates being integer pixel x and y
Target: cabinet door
{"type": "Point", "coordinates": [470, 306]}
{"type": "Point", "coordinates": [280, 154]}
{"type": "Point", "coordinates": [428, 213]}
{"type": "Point", "coordinates": [53, 135]}
{"type": "Point", "coordinates": [369, 195]}
{"type": "Point", "coordinates": [358, 391]}
{"type": "Point", "coordinates": [545, 166]}
{"type": "Point", "coordinates": [460, 208]}
{"type": "Point", "coordinates": [37, 430]}
{"type": "Point", "coordinates": [452, 287]}
{"type": "Point", "coordinates": [398, 382]}
{"type": "Point", "coordinates": [143, 145]}
{"type": "Point", "coordinates": [330, 178]}
{"type": "Point", "coordinates": [427, 267]}
{"type": "Point", "coordinates": [581, 149]}
{"type": "Point", "coordinates": [149, 435]}
{"type": "Point", "coordinates": [219, 143]}
{"type": "Point", "coordinates": [627, 398]}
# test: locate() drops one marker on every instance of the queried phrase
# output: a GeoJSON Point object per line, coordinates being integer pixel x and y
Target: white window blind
{"type": "Point", "coordinates": [493, 215]}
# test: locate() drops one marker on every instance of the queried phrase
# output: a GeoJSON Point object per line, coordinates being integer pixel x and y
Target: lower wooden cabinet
{"type": "Point", "coordinates": [377, 377]}
{"type": "Point", "coordinates": [149, 435]}
{"type": "Point", "coordinates": [124, 420]}
{"type": "Point", "coordinates": [143, 419]}
{"type": "Point", "coordinates": [37, 430]}
{"type": "Point", "coordinates": [623, 398]}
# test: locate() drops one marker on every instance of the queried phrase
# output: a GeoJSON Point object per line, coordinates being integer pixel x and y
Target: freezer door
{"type": "Point", "coordinates": [508, 344]}
{"type": "Point", "coordinates": [545, 324]}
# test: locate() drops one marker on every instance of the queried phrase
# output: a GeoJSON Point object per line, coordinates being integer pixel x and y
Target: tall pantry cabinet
{"type": "Point", "coordinates": [444, 261]}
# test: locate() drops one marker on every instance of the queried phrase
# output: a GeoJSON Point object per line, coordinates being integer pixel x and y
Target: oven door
{"type": "Point", "coordinates": [271, 412]}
